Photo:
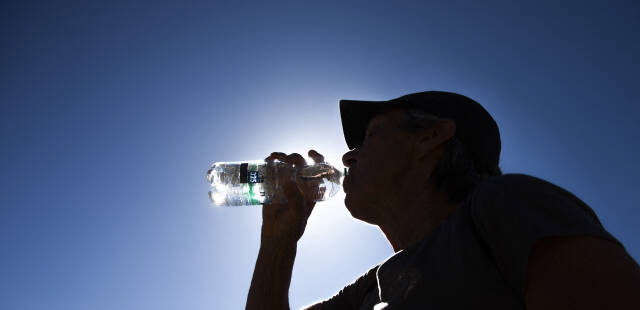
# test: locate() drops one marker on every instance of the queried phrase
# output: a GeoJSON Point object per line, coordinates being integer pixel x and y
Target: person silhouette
{"type": "Point", "coordinates": [424, 168]}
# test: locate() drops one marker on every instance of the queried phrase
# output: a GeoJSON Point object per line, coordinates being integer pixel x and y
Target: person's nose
{"type": "Point", "coordinates": [349, 158]}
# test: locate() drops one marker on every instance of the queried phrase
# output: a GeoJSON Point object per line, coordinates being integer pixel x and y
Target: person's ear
{"type": "Point", "coordinates": [431, 138]}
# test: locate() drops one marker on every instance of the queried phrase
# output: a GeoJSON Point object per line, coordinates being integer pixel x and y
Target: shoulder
{"type": "Point", "coordinates": [581, 272]}
{"type": "Point", "coordinates": [512, 212]}
{"type": "Point", "coordinates": [518, 183]}
{"type": "Point", "coordinates": [520, 192]}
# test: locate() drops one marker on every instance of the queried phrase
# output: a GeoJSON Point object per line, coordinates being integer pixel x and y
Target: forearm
{"type": "Point", "coordinates": [272, 275]}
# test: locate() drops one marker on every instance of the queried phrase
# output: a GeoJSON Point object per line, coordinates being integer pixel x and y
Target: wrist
{"type": "Point", "coordinates": [278, 241]}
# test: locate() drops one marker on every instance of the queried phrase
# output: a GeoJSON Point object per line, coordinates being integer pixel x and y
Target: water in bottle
{"type": "Point", "coordinates": [260, 182]}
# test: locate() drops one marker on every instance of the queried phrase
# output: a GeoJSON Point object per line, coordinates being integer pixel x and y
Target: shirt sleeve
{"type": "Point", "coordinates": [352, 296]}
{"type": "Point", "coordinates": [512, 212]}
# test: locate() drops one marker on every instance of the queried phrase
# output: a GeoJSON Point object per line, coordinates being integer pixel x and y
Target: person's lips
{"type": "Point", "coordinates": [345, 184]}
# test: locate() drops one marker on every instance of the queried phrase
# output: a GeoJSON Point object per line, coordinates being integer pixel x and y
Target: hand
{"type": "Point", "coordinates": [288, 220]}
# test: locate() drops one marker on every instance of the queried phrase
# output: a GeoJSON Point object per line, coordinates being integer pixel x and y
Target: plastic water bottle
{"type": "Point", "coordinates": [260, 182]}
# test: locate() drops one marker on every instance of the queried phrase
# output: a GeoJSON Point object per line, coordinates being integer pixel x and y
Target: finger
{"type": "Point", "coordinates": [277, 156]}
{"type": "Point", "coordinates": [317, 157]}
{"type": "Point", "coordinates": [295, 159]}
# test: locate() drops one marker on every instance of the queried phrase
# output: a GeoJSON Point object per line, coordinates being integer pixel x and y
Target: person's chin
{"type": "Point", "coordinates": [348, 201]}
{"type": "Point", "coordinates": [351, 203]}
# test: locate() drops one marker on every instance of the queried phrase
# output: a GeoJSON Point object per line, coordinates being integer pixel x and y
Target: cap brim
{"type": "Point", "coordinates": [355, 115]}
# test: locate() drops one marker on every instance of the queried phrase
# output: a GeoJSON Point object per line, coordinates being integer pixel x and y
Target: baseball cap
{"type": "Point", "coordinates": [475, 128]}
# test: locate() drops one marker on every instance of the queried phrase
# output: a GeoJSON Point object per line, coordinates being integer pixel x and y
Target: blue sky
{"type": "Point", "coordinates": [111, 112]}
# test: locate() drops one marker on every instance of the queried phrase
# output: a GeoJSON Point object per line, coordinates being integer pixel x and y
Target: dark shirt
{"type": "Point", "coordinates": [477, 258]}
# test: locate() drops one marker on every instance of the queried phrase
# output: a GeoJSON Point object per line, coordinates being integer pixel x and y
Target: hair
{"type": "Point", "coordinates": [456, 172]}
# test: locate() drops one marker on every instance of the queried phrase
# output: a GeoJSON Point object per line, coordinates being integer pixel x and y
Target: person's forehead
{"type": "Point", "coordinates": [386, 118]}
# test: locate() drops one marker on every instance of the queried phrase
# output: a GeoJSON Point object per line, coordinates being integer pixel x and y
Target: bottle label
{"type": "Point", "coordinates": [254, 179]}
{"type": "Point", "coordinates": [250, 174]}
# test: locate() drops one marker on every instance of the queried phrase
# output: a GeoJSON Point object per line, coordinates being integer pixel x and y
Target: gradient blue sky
{"type": "Point", "coordinates": [111, 112]}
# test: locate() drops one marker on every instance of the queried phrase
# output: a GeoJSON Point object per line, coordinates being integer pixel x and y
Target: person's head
{"type": "Point", "coordinates": [455, 172]}
{"type": "Point", "coordinates": [405, 147]}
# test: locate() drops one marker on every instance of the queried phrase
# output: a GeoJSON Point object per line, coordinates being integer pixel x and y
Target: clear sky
{"type": "Point", "coordinates": [112, 111]}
